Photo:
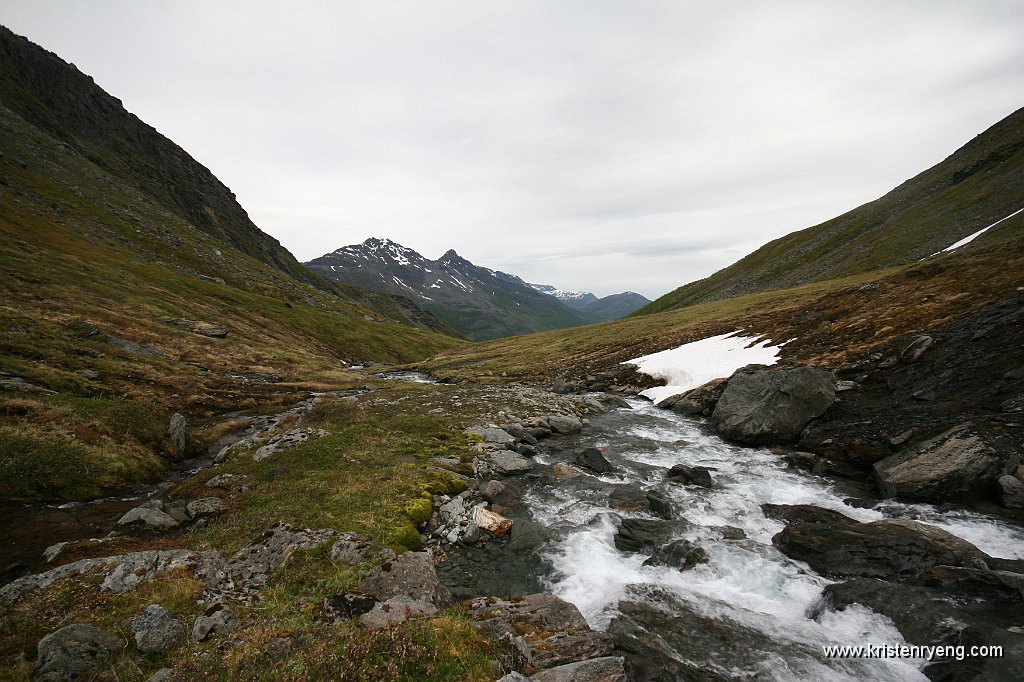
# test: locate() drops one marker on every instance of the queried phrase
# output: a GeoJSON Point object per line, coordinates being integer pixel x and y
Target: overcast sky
{"type": "Point", "coordinates": [601, 146]}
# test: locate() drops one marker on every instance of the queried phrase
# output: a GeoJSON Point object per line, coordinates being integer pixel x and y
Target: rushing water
{"type": "Point", "coordinates": [746, 581]}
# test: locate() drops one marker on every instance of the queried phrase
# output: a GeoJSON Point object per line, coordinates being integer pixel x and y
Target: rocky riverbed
{"type": "Point", "coordinates": [705, 560]}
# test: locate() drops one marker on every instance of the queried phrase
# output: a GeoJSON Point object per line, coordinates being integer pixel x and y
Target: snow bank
{"type": "Point", "coordinates": [971, 237]}
{"type": "Point", "coordinates": [694, 364]}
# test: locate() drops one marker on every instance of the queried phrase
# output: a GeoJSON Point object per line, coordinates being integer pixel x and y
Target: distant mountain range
{"type": "Point", "coordinates": [597, 309]}
{"type": "Point", "coordinates": [477, 302]}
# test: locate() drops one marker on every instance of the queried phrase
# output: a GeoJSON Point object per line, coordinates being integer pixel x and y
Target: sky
{"type": "Point", "coordinates": [593, 145]}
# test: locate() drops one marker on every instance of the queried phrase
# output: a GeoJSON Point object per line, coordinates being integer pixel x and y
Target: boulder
{"type": "Point", "coordinates": [210, 329]}
{"type": "Point", "coordinates": [76, 651]}
{"type": "Point", "coordinates": [411, 575]}
{"type": "Point", "coordinates": [660, 505]}
{"type": "Point", "coordinates": [350, 549]}
{"type": "Point", "coordinates": [665, 638]}
{"type": "Point", "coordinates": [1011, 492]}
{"type": "Point", "coordinates": [176, 430]}
{"type": "Point", "coordinates": [508, 463]}
{"type": "Point", "coordinates": [205, 506]}
{"type": "Point", "coordinates": [492, 434]}
{"type": "Point", "coordinates": [345, 606]}
{"type": "Point", "coordinates": [604, 669]}
{"type": "Point", "coordinates": [960, 464]}
{"type": "Point", "coordinates": [219, 618]}
{"type": "Point", "coordinates": [156, 630]}
{"type": "Point", "coordinates": [895, 549]}
{"type": "Point", "coordinates": [765, 406]}
{"type": "Point", "coordinates": [147, 516]}
{"type": "Point", "coordinates": [547, 631]}
{"type": "Point", "coordinates": [594, 460]}
{"type": "Point", "coordinates": [396, 610]}
{"type": "Point", "coordinates": [252, 564]}
{"type": "Point", "coordinates": [681, 554]}
{"type": "Point", "coordinates": [564, 425]}
{"type": "Point", "coordinates": [565, 472]}
{"type": "Point", "coordinates": [501, 492]}
{"type": "Point", "coordinates": [643, 536]}
{"type": "Point", "coordinates": [628, 498]}
{"type": "Point", "coordinates": [691, 475]}
{"type": "Point", "coordinates": [915, 349]}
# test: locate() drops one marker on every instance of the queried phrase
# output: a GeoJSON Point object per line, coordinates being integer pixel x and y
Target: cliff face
{"type": "Point", "coordinates": [55, 97]}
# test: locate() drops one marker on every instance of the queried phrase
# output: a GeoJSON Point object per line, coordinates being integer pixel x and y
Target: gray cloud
{"type": "Point", "coordinates": [592, 145]}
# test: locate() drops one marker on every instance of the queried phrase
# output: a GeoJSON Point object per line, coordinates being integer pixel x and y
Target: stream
{"type": "Point", "coordinates": [746, 584]}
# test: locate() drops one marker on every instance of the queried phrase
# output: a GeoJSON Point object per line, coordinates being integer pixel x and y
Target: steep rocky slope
{"type": "Point", "coordinates": [117, 310]}
{"type": "Point", "coordinates": [978, 185]}
{"type": "Point", "coordinates": [477, 302]}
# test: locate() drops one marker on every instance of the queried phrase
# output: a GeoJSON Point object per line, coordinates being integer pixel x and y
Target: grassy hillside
{"type": "Point", "coordinates": [979, 184]}
{"type": "Point", "coordinates": [827, 322]}
{"type": "Point", "coordinates": [90, 269]}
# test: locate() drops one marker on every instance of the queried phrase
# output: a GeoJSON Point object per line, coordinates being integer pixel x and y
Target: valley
{"type": "Point", "coordinates": [216, 462]}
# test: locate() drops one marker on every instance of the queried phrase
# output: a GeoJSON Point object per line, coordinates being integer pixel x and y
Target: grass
{"type": "Point", "coordinates": [826, 322]}
{"type": "Point", "coordinates": [373, 474]}
{"type": "Point", "coordinates": [974, 187]}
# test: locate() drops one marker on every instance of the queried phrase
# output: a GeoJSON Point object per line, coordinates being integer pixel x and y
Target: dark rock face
{"type": "Point", "coordinates": [960, 464]}
{"type": "Point", "coordinates": [96, 125]}
{"type": "Point", "coordinates": [967, 375]}
{"type": "Point", "coordinates": [834, 544]}
{"type": "Point", "coordinates": [75, 652]}
{"type": "Point", "coordinates": [691, 475]}
{"type": "Point", "coordinates": [665, 639]}
{"type": "Point", "coordinates": [681, 554]}
{"type": "Point", "coordinates": [765, 406]}
{"type": "Point", "coordinates": [643, 536]}
{"type": "Point", "coordinates": [947, 606]}
{"type": "Point", "coordinates": [594, 460]}
{"type": "Point", "coordinates": [627, 498]}
{"type": "Point", "coordinates": [345, 606]}
{"type": "Point", "coordinates": [660, 505]}
{"type": "Point", "coordinates": [547, 631]}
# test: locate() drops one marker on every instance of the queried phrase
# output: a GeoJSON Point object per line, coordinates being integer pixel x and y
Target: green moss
{"type": "Point", "coordinates": [406, 537]}
{"type": "Point", "coordinates": [420, 510]}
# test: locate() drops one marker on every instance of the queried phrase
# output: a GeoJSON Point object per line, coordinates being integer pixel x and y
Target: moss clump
{"type": "Point", "coordinates": [420, 510]}
{"type": "Point", "coordinates": [406, 537]}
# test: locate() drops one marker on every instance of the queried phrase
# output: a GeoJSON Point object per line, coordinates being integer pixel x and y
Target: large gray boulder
{"type": "Point", "coordinates": [176, 430]}
{"type": "Point", "coordinates": [546, 630]}
{"type": "Point", "coordinates": [763, 406]}
{"type": "Point", "coordinates": [960, 464]}
{"type": "Point", "coordinates": [410, 575]}
{"type": "Point", "coordinates": [156, 630]}
{"type": "Point", "coordinates": [834, 544]}
{"type": "Point", "coordinates": [218, 618]}
{"type": "Point", "coordinates": [77, 651]}
{"type": "Point", "coordinates": [604, 669]}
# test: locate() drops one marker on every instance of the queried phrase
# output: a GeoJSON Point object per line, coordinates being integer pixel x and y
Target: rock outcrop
{"type": "Point", "coordinates": [762, 406]}
{"type": "Point", "coordinates": [961, 464]}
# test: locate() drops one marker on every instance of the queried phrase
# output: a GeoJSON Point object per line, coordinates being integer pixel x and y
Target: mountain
{"type": "Point", "coordinates": [577, 300]}
{"type": "Point", "coordinates": [597, 309]}
{"type": "Point", "coordinates": [77, 118]}
{"type": "Point", "coordinates": [615, 306]}
{"type": "Point", "coordinates": [134, 286]}
{"type": "Point", "coordinates": [477, 302]}
{"type": "Point", "coordinates": [979, 184]}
